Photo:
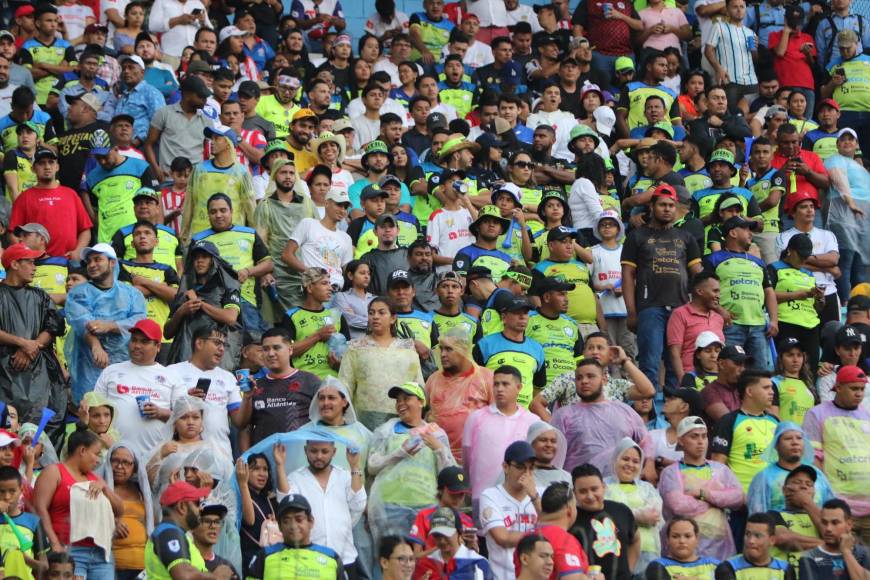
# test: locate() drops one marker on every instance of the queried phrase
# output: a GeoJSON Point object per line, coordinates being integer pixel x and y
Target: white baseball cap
{"type": "Point", "coordinates": [707, 338]}
{"type": "Point", "coordinates": [690, 424]}
{"type": "Point", "coordinates": [229, 31]}
{"type": "Point", "coordinates": [102, 248]}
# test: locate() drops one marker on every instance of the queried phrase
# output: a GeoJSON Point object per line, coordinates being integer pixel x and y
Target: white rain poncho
{"type": "Point", "coordinates": [640, 496]}
{"type": "Point", "coordinates": [140, 477]}
{"type": "Point", "coordinates": [403, 483]}
{"type": "Point", "coordinates": [849, 177]}
{"type": "Point", "coordinates": [544, 477]}
{"type": "Point", "coordinates": [121, 304]}
{"type": "Point", "coordinates": [49, 454]}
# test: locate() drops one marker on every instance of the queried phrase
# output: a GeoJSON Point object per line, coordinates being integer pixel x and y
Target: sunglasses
{"type": "Point", "coordinates": [524, 164]}
{"type": "Point", "coordinates": [524, 280]}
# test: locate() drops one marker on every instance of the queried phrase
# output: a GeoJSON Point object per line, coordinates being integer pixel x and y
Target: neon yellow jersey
{"type": "Point", "coordinates": [743, 278]}
{"type": "Point", "coordinates": [581, 300]}
{"type": "Point", "coordinates": [846, 442]}
{"type": "Point", "coordinates": [156, 309]}
{"type": "Point", "coordinates": [166, 252]}
{"type": "Point", "coordinates": [17, 162]}
{"type": "Point", "coordinates": [761, 188]}
{"type": "Point", "coordinates": [433, 34]}
{"type": "Point", "coordinates": [29, 528]}
{"type": "Point", "coordinates": [787, 279]}
{"type": "Point", "coordinates": [279, 115]}
{"type": "Point", "coordinates": [560, 338]}
{"type": "Point", "coordinates": [51, 275]}
{"type": "Point", "coordinates": [167, 547]}
{"type": "Point", "coordinates": [280, 562]}
{"type": "Point", "coordinates": [854, 95]}
{"type": "Point", "coordinates": [208, 179]}
{"type": "Point", "coordinates": [301, 324]}
{"type": "Point", "coordinates": [795, 399]}
{"type": "Point", "coordinates": [743, 439]}
{"type": "Point", "coordinates": [113, 191]}
{"type": "Point", "coordinates": [634, 100]}
{"type": "Point", "coordinates": [34, 52]}
{"type": "Point", "coordinates": [798, 523]}
{"type": "Point", "coordinates": [242, 248]}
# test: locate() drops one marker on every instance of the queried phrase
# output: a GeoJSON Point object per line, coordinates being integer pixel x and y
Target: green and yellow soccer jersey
{"type": "Point", "coordinates": [8, 127]}
{"type": "Point", "coordinates": [29, 528]}
{"type": "Point", "coordinates": [242, 248]}
{"type": "Point", "coordinates": [798, 523]}
{"type": "Point", "coordinates": [300, 324]}
{"type": "Point", "coordinates": [784, 278]}
{"type": "Point", "coordinates": [113, 191]}
{"type": "Point", "coordinates": [433, 34]}
{"type": "Point", "coordinates": [270, 109]}
{"type": "Point", "coordinates": [561, 340]}
{"type": "Point", "coordinates": [167, 251]}
{"type": "Point", "coordinates": [795, 399]}
{"type": "Point", "coordinates": [633, 100]}
{"type": "Point", "coordinates": [17, 162]}
{"type": "Point", "coordinates": [156, 308]}
{"type": "Point", "coordinates": [167, 547]}
{"type": "Point", "coordinates": [34, 52]}
{"type": "Point", "coordinates": [743, 278]}
{"type": "Point", "coordinates": [208, 179]}
{"type": "Point", "coordinates": [281, 562]}
{"type": "Point", "coordinates": [695, 180]}
{"type": "Point", "coordinates": [743, 438]}
{"type": "Point", "coordinates": [582, 305]}
{"type": "Point", "coordinates": [51, 273]}
{"type": "Point", "coordinates": [463, 320]}
{"type": "Point", "coordinates": [418, 325]}
{"type": "Point", "coordinates": [527, 357]}
{"type": "Point", "coordinates": [362, 236]}
{"type": "Point", "coordinates": [761, 187]}
{"type": "Point", "coordinates": [854, 95]}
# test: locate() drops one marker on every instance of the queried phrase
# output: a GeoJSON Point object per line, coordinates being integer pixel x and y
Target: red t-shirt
{"type": "Point", "coordinates": [59, 209]}
{"type": "Point", "coordinates": [568, 554]}
{"type": "Point", "coordinates": [792, 68]}
{"type": "Point", "coordinates": [422, 525]}
{"type": "Point", "coordinates": [813, 161]}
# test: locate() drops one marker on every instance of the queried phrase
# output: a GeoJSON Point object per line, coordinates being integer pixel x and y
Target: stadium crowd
{"type": "Point", "coordinates": [492, 290]}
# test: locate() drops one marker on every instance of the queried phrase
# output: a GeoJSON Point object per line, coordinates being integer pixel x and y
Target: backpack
{"type": "Point", "coordinates": [833, 36]}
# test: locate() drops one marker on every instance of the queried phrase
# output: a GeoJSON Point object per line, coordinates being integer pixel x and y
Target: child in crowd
{"type": "Point", "coordinates": [607, 279]}
{"type": "Point", "coordinates": [354, 301]}
{"type": "Point", "coordinates": [173, 195]}
{"type": "Point", "coordinates": [705, 362]}
{"type": "Point", "coordinates": [22, 541]}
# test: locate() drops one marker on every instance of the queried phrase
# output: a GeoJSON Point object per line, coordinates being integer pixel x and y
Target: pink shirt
{"type": "Point", "coordinates": [671, 17]}
{"type": "Point", "coordinates": [684, 326]}
{"type": "Point", "coordinates": [486, 436]}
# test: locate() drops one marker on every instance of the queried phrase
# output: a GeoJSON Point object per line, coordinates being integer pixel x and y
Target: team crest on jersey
{"type": "Point", "coordinates": [174, 545]}
{"type": "Point", "coordinates": [244, 245]}
{"type": "Point", "coordinates": [569, 332]}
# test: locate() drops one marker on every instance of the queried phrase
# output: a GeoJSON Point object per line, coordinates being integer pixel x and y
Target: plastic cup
{"type": "Point", "coordinates": [143, 400]}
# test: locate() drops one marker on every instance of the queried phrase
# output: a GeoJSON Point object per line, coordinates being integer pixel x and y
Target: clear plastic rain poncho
{"type": "Point", "coordinates": [765, 491]}
{"type": "Point", "coordinates": [641, 497]}
{"type": "Point", "coordinates": [403, 483]}
{"type": "Point", "coordinates": [849, 177]}
{"type": "Point", "coordinates": [121, 304]}
{"type": "Point", "coordinates": [94, 399]}
{"type": "Point", "coordinates": [543, 476]}
{"type": "Point", "coordinates": [49, 453]}
{"type": "Point", "coordinates": [723, 491]}
{"type": "Point", "coordinates": [140, 477]}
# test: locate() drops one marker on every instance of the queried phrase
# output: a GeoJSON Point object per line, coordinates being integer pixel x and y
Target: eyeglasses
{"type": "Point", "coordinates": [524, 164]}
{"type": "Point", "coordinates": [211, 522]}
{"type": "Point", "coordinates": [218, 342]}
{"type": "Point", "coordinates": [121, 462]}
{"type": "Point", "coordinates": [403, 559]}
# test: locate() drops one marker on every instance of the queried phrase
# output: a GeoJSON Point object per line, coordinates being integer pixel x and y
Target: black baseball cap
{"type": "Point", "coordinates": [454, 480]}
{"type": "Point", "coordinates": [513, 304]}
{"type": "Point", "coordinates": [195, 85]}
{"type": "Point", "coordinates": [436, 120]}
{"type": "Point", "coordinates": [859, 303]}
{"type": "Point", "coordinates": [848, 335]}
{"type": "Point", "coordinates": [735, 352]}
{"type": "Point", "coordinates": [560, 233]}
{"type": "Point", "coordinates": [546, 284]}
{"type": "Point", "coordinates": [249, 90]}
{"type": "Point", "coordinates": [398, 277]}
{"type": "Point", "coordinates": [294, 503]}
{"type": "Point", "coordinates": [788, 343]}
{"type": "Point", "coordinates": [739, 222]}
{"type": "Point", "coordinates": [519, 452]}
{"type": "Point", "coordinates": [384, 218]}
{"type": "Point", "coordinates": [692, 397]}
{"type": "Point", "coordinates": [803, 468]}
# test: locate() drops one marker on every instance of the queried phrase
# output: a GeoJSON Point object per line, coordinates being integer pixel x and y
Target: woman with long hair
{"type": "Point", "coordinates": [258, 502]}
{"type": "Point", "coordinates": [407, 90]}
{"type": "Point", "coordinates": [330, 150]}
{"type": "Point", "coordinates": [793, 381]}
{"type": "Point", "coordinates": [798, 115]}
{"type": "Point", "coordinates": [53, 499]}
{"type": "Point", "coordinates": [376, 361]}
{"type": "Point", "coordinates": [370, 48]}
{"type": "Point", "coordinates": [360, 75]}
{"type": "Point", "coordinates": [692, 89]}
{"type": "Point", "coordinates": [134, 23]}
{"type": "Point", "coordinates": [235, 45]}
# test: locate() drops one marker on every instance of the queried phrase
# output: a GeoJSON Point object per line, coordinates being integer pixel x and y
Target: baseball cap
{"type": "Point", "coordinates": [689, 424]}
{"type": "Point", "coordinates": [205, 247]}
{"type": "Point", "coordinates": [734, 352]}
{"type": "Point", "coordinates": [409, 389]}
{"type": "Point", "coordinates": [519, 452]}
{"type": "Point", "coordinates": [7, 438]}
{"type": "Point", "coordinates": [850, 374]}
{"type": "Point", "coordinates": [623, 63]}
{"type": "Point", "coordinates": [195, 85]}
{"type": "Point", "coordinates": [26, 125]}
{"type": "Point", "coordinates": [213, 509]}
{"type": "Point", "coordinates": [199, 66]}
{"type": "Point", "coordinates": [788, 343]}
{"type": "Point", "coordinates": [443, 522]}
{"type": "Point", "coordinates": [149, 328]}
{"type": "Point", "coordinates": [341, 125]}
{"type": "Point", "coordinates": [26, 10]}
{"type": "Point", "coordinates": [560, 233]}
{"type": "Point", "coordinates": [774, 110]}
{"type": "Point", "coordinates": [294, 502]}
{"type": "Point", "coordinates": [798, 197]}
{"type": "Point", "coordinates": [221, 131]}
{"type": "Point", "coordinates": [304, 114]}
{"type": "Point", "coordinates": [546, 284]}
{"type": "Point", "coordinates": [337, 195]}
{"type": "Point", "coordinates": [389, 179]}
{"type": "Point", "coordinates": [847, 131]}
{"type": "Point", "coordinates": [436, 121]}
{"type": "Point", "coordinates": [605, 119]}
{"type": "Point", "coordinates": [802, 244]}
{"type": "Point", "coordinates": [135, 58]}
{"type": "Point", "coordinates": [707, 338]}
{"type": "Point", "coordinates": [313, 275]}
{"type": "Point", "coordinates": [859, 303]}
{"type": "Point", "coordinates": [692, 397]}
{"type": "Point", "coordinates": [249, 89]}
{"type": "Point", "coordinates": [89, 99]}
{"type": "Point", "coordinates": [454, 479]}
{"type": "Point", "coordinates": [807, 470]}
{"type": "Point", "coordinates": [450, 276]}
{"type": "Point", "coordinates": [96, 27]}
{"type": "Point", "coordinates": [545, 39]}
{"type": "Point", "coordinates": [829, 103]}
{"type": "Point", "coordinates": [384, 218]}
{"type": "Point", "coordinates": [511, 189]}
{"type": "Point", "coordinates": [182, 491]}
{"type": "Point", "coordinates": [739, 222]}
{"type": "Point", "coordinates": [372, 191]}
{"type": "Point", "coordinates": [228, 31]}
{"type": "Point", "coordinates": [18, 251]}
{"type": "Point", "coordinates": [123, 117]}
{"type": "Point", "coordinates": [845, 336]}
{"type": "Point", "coordinates": [33, 228]}
{"type": "Point", "coordinates": [666, 190]}
{"type": "Point", "coordinates": [147, 192]}
{"type": "Point", "coordinates": [514, 304]}
{"type": "Point", "coordinates": [847, 37]}
{"type": "Point", "coordinates": [730, 201]}
{"type": "Point", "coordinates": [398, 277]}
{"type": "Point", "coordinates": [102, 248]}
{"type": "Point", "coordinates": [44, 153]}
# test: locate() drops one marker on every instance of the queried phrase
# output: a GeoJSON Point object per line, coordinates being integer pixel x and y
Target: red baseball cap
{"type": "Point", "coordinates": [25, 10]}
{"type": "Point", "coordinates": [665, 190]}
{"type": "Point", "coordinates": [182, 491]}
{"type": "Point", "coordinates": [18, 252]}
{"type": "Point", "coordinates": [149, 328]}
{"type": "Point", "coordinates": [850, 374]}
{"type": "Point", "coordinates": [792, 201]}
{"type": "Point", "coordinates": [829, 103]}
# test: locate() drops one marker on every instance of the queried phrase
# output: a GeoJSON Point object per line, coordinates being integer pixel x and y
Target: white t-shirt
{"type": "Point", "coordinates": [499, 509]}
{"type": "Point", "coordinates": [447, 231]}
{"type": "Point", "coordinates": [120, 6]}
{"type": "Point", "coordinates": [478, 55]}
{"type": "Point", "coordinates": [524, 13]}
{"type": "Point", "coordinates": [377, 27]}
{"type": "Point", "coordinates": [606, 268]}
{"type": "Point", "coordinates": [323, 248]}
{"type": "Point", "coordinates": [365, 130]}
{"type": "Point", "coordinates": [223, 397]}
{"type": "Point", "coordinates": [562, 122]}
{"type": "Point", "coordinates": [663, 447]}
{"type": "Point", "coordinates": [75, 17]}
{"type": "Point", "coordinates": [824, 241]}
{"type": "Point", "coordinates": [121, 383]}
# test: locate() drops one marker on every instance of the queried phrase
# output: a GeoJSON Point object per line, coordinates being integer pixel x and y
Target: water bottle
{"type": "Point", "coordinates": [337, 344]}
{"type": "Point", "coordinates": [750, 42]}
{"type": "Point", "coordinates": [272, 291]}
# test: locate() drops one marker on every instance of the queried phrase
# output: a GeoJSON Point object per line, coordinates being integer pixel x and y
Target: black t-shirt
{"type": "Point", "coordinates": [829, 333]}
{"type": "Point", "coordinates": [817, 563]}
{"type": "Point", "coordinates": [73, 148]}
{"type": "Point", "coordinates": [280, 405]}
{"type": "Point", "coordinates": [170, 544]}
{"type": "Point", "coordinates": [662, 259]}
{"type": "Point", "coordinates": [258, 123]}
{"type": "Point", "coordinates": [416, 140]}
{"type": "Point", "coordinates": [212, 565]}
{"type": "Point", "coordinates": [605, 533]}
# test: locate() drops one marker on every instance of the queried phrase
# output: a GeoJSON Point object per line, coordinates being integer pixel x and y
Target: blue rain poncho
{"type": "Point", "coordinates": [765, 491]}
{"type": "Point", "coordinates": [121, 304]}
